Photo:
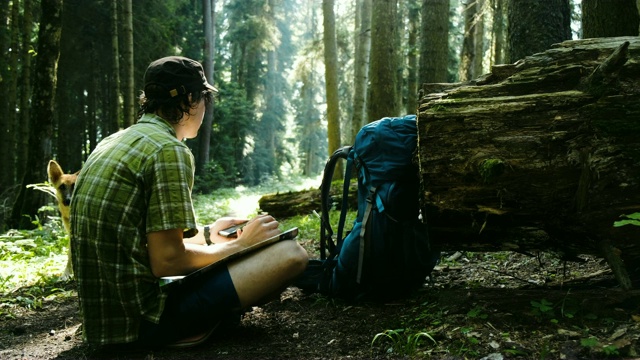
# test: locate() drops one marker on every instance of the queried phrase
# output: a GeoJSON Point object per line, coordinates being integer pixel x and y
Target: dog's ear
{"type": "Point", "coordinates": [54, 171]}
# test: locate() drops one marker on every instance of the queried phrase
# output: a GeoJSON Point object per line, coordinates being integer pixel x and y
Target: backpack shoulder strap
{"type": "Point", "coordinates": [345, 200]}
{"type": "Point", "coordinates": [326, 232]}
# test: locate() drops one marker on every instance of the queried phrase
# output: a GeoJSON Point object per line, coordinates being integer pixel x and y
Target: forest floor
{"type": "Point", "coordinates": [478, 306]}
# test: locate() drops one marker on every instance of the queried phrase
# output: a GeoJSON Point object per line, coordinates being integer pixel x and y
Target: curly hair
{"type": "Point", "coordinates": [171, 108]}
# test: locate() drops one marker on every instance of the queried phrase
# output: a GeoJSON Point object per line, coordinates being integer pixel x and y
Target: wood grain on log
{"type": "Point", "coordinates": [542, 155]}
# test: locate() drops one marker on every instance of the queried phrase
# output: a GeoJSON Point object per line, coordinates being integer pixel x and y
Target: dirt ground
{"type": "Point", "coordinates": [476, 306]}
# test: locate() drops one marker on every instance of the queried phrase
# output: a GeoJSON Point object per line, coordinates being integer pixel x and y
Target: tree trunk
{"type": "Point", "coordinates": [609, 18]}
{"type": "Point", "coordinates": [535, 25]}
{"type": "Point", "coordinates": [331, 75]}
{"type": "Point", "coordinates": [412, 58]}
{"type": "Point", "coordinates": [434, 43]}
{"type": "Point", "coordinates": [400, 45]}
{"type": "Point", "coordinates": [467, 54]}
{"type": "Point", "coordinates": [267, 149]}
{"type": "Point", "coordinates": [74, 86]}
{"type": "Point", "coordinates": [129, 94]}
{"type": "Point", "coordinates": [25, 95]}
{"type": "Point", "coordinates": [11, 95]}
{"type": "Point", "coordinates": [313, 140]}
{"type": "Point", "coordinates": [382, 68]}
{"type": "Point", "coordinates": [116, 113]}
{"type": "Point", "coordinates": [361, 66]}
{"type": "Point", "coordinates": [29, 201]}
{"type": "Point", "coordinates": [90, 115]}
{"type": "Point", "coordinates": [542, 155]}
{"type": "Point", "coordinates": [4, 80]}
{"type": "Point", "coordinates": [478, 38]}
{"type": "Point", "coordinates": [204, 139]}
{"type": "Point", "coordinates": [498, 32]}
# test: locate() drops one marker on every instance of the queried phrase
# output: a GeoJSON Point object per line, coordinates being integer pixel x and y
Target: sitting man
{"type": "Point", "coordinates": [132, 222]}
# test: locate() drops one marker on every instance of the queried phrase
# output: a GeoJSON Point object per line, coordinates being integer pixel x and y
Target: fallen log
{"type": "Point", "coordinates": [305, 202]}
{"type": "Point", "coordinates": [540, 155]}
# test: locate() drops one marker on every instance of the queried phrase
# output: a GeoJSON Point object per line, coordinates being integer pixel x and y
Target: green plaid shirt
{"type": "Point", "coordinates": [136, 181]}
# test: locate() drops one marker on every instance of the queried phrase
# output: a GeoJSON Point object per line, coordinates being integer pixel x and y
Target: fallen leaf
{"type": "Point", "coordinates": [568, 333]}
{"type": "Point", "coordinates": [619, 332]}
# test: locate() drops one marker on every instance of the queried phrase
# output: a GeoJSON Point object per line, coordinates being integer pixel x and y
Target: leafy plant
{"type": "Point", "coordinates": [427, 314]}
{"type": "Point", "coordinates": [610, 350]}
{"type": "Point", "coordinates": [467, 346]}
{"type": "Point", "coordinates": [568, 310]}
{"type": "Point", "coordinates": [592, 316]}
{"type": "Point", "coordinates": [630, 219]}
{"type": "Point", "coordinates": [29, 302]}
{"type": "Point", "coordinates": [402, 342]}
{"type": "Point", "coordinates": [590, 342]}
{"type": "Point", "coordinates": [476, 312]}
{"type": "Point", "coordinates": [542, 307]}
{"type": "Point", "coordinates": [4, 280]}
{"type": "Point", "coordinates": [45, 187]}
{"type": "Point", "coordinates": [593, 344]}
{"type": "Point", "coordinates": [465, 330]}
{"type": "Point", "coordinates": [515, 352]}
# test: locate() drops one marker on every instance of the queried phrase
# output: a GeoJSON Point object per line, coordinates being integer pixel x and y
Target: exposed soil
{"type": "Point", "coordinates": [481, 306]}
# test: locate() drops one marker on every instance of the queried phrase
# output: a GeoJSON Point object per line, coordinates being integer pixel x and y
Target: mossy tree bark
{"type": "Point", "coordinates": [543, 154]}
{"type": "Point", "coordinates": [28, 201]}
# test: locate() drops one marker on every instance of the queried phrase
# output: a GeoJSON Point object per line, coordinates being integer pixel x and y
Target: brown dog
{"type": "Point", "coordinates": [64, 184]}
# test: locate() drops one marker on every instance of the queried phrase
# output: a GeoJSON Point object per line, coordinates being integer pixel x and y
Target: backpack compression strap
{"type": "Point", "coordinates": [372, 196]}
{"type": "Point", "coordinates": [365, 220]}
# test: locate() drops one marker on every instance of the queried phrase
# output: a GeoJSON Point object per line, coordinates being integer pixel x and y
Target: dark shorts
{"type": "Point", "coordinates": [194, 308]}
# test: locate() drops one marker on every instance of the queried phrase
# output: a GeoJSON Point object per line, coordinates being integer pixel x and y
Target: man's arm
{"type": "Point", "coordinates": [220, 224]}
{"type": "Point", "coordinates": [169, 255]}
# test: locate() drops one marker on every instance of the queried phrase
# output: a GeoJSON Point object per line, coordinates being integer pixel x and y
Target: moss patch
{"type": "Point", "coordinates": [490, 169]}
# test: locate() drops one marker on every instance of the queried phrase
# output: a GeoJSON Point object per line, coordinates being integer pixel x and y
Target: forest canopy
{"type": "Point", "coordinates": [297, 78]}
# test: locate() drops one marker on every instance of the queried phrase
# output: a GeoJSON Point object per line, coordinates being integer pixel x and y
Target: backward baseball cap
{"type": "Point", "coordinates": [171, 76]}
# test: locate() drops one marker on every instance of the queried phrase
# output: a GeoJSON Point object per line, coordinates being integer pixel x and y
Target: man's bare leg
{"type": "Point", "coordinates": [261, 274]}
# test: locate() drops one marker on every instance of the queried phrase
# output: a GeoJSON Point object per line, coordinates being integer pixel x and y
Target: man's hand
{"type": "Point", "coordinates": [257, 229]}
{"type": "Point", "coordinates": [224, 223]}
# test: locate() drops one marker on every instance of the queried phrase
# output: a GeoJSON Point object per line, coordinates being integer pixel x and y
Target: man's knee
{"type": "Point", "coordinates": [296, 257]}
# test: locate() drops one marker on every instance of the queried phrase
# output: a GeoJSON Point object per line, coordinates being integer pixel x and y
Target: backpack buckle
{"type": "Point", "coordinates": [372, 194]}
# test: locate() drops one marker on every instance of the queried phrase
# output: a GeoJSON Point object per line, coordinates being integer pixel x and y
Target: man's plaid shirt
{"type": "Point", "coordinates": [136, 181]}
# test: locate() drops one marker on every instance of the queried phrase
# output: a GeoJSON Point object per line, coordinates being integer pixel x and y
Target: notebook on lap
{"type": "Point", "coordinates": [169, 282]}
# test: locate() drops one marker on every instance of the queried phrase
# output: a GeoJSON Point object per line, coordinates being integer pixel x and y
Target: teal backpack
{"type": "Point", "coordinates": [387, 253]}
